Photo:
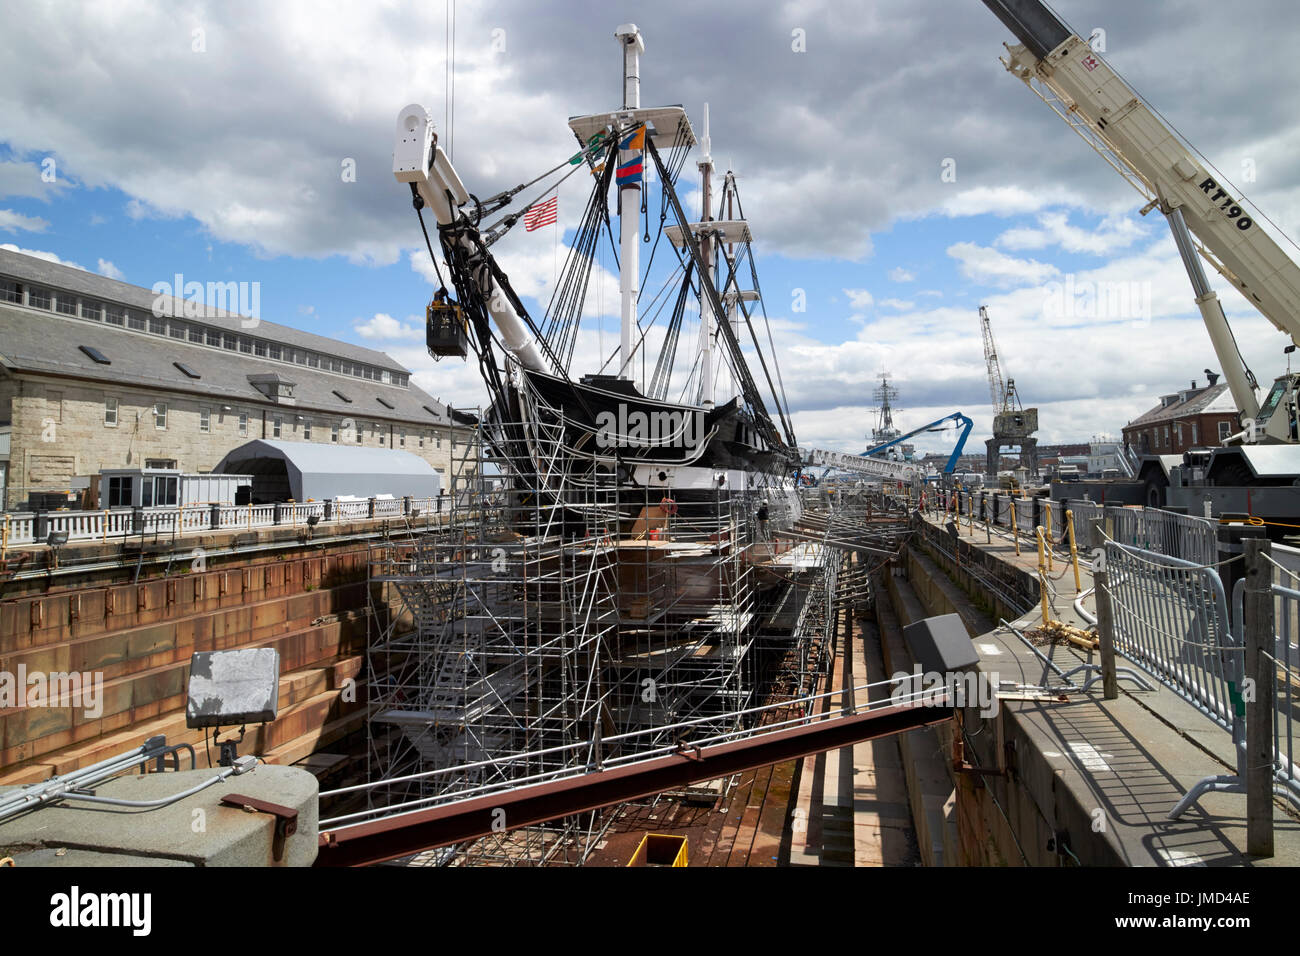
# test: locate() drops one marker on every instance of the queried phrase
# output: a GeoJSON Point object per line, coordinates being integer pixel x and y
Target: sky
{"type": "Point", "coordinates": [894, 175]}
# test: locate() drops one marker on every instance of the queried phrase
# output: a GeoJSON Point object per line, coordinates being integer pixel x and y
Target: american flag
{"type": "Point", "coordinates": [542, 214]}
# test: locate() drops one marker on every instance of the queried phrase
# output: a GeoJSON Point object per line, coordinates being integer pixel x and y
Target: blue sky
{"type": "Point", "coordinates": [229, 169]}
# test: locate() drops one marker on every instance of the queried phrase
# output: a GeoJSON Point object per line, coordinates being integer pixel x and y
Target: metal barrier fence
{"type": "Point", "coordinates": [1175, 535]}
{"type": "Point", "coordinates": [36, 527]}
{"type": "Point", "coordinates": [1179, 536]}
{"type": "Point", "coordinates": [1170, 617]}
{"type": "Point", "coordinates": [1284, 696]}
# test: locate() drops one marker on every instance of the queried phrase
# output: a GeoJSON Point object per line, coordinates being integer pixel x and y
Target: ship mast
{"type": "Point", "coordinates": [629, 205]}
{"type": "Point", "coordinates": [706, 254]}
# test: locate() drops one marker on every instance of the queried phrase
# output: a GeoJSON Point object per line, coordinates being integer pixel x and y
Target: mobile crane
{"type": "Point", "coordinates": [1256, 470]}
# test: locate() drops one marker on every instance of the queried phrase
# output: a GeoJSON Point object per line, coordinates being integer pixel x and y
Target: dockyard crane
{"type": "Point", "coordinates": [1012, 424]}
{"type": "Point", "coordinates": [997, 387]}
{"type": "Point", "coordinates": [1207, 217]}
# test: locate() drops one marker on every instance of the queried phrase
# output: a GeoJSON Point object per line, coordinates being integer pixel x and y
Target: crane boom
{"type": "Point", "coordinates": [997, 387]}
{"type": "Point", "coordinates": [1063, 70]}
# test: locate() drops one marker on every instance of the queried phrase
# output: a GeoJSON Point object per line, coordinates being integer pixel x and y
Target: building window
{"type": "Point", "coordinates": [114, 314]}
{"type": "Point", "coordinates": [11, 291]}
{"type": "Point", "coordinates": [361, 433]}
{"type": "Point", "coordinates": [306, 430]}
{"type": "Point", "coordinates": [273, 351]}
{"type": "Point", "coordinates": [38, 298]}
{"type": "Point", "coordinates": [214, 338]}
{"type": "Point", "coordinates": [157, 326]}
{"type": "Point", "coordinates": [401, 437]}
{"type": "Point", "coordinates": [196, 334]}
{"type": "Point", "coordinates": [334, 433]}
{"type": "Point", "coordinates": [160, 415]}
{"type": "Point", "coordinates": [276, 424]}
{"type": "Point", "coordinates": [243, 423]}
{"type": "Point", "coordinates": [110, 413]}
{"type": "Point", "coordinates": [205, 419]}
{"type": "Point", "coordinates": [90, 309]}
{"type": "Point", "coordinates": [421, 439]}
{"type": "Point", "coordinates": [119, 492]}
{"type": "Point", "coordinates": [439, 441]}
{"type": "Point", "coordinates": [259, 348]}
{"type": "Point", "coordinates": [228, 342]}
{"type": "Point", "coordinates": [134, 320]}
{"type": "Point", "coordinates": [165, 488]}
{"type": "Point", "coordinates": [66, 303]}
{"type": "Point", "coordinates": [378, 432]}
{"type": "Point", "coordinates": [1178, 432]}
{"type": "Point", "coordinates": [1225, 430]}
{"type": "Point", "coordinates": [246, 345]}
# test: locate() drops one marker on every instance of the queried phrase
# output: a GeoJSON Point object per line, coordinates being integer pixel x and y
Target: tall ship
{"type": "Point", "coordinates": [620, 572]}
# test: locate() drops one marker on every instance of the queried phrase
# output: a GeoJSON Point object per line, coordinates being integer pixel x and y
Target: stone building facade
{"type": "Point", "coordinates": [92, 377]}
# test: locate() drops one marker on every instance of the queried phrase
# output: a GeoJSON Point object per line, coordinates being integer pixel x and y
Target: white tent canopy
{"type": "Point", "coordinates": [304, 471]}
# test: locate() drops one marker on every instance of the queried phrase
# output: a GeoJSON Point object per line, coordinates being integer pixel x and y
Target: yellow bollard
{"type": "Point", "coordinates": [1015, 528]}
{"type": "Point", "coordinates": [1074, 552]}
{"type": "Point", "coordinates": [1050, 566]}
{"type": "Point", "coordinates": [970, 515]}
{"type": "Point", "coordinates": [1042, 572]}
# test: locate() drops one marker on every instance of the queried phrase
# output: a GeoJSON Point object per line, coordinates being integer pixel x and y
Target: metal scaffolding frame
{"type": "Point", "coordinates": [559, 608]}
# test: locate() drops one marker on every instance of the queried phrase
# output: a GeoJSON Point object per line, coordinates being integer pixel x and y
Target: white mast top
{"type": "Point", "coordinates": [629, 206]}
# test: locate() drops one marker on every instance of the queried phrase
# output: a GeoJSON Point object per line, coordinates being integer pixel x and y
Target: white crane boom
{"type": "Point", "coordinates": [1076, 81]}
{"type": "Point", "coordinates": [418, 160]}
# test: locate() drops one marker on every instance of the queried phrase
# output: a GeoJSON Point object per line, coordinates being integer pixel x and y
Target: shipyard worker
{"type": "Point", "coordinates": [762, 522]}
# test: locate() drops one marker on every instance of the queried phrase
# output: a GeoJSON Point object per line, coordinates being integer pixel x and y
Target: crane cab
{"type": "Point", "coordinates": [445, 330]}
{"type": "Point", "coordinates": [1277, 418]}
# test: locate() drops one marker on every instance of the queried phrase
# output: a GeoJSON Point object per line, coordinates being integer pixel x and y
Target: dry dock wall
{"type": "Point", "coordinates": [1022, 810]}
{"type": "Point", "coordinates": [308, 601]}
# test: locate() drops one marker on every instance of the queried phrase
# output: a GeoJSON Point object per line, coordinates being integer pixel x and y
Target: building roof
{"type": "Point", "coordinates": [1213, 399]}
{"type": "Point", "coordinates": [57, 276]}
{"type": "Point", "coordinates": [34, 340]}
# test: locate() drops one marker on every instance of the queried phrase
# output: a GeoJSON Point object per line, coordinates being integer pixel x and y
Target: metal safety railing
{"type": "Point", "coordinates": [36, 527]}
{"type": "Point", "coordinates": [1282, 658]}
{"type": "Point", "coordinates": [1170, 617]}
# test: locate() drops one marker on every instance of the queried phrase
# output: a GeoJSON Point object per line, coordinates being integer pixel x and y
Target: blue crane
{"type": "Point", "coordinates": [941, 424]}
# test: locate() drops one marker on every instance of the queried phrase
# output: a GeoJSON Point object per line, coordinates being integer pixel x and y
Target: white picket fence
{"type": "Point", "coordinates": [25, 527]}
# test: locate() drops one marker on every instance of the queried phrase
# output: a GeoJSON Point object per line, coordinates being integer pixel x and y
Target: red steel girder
{"type": "Point", "coordinates": [401, 835]}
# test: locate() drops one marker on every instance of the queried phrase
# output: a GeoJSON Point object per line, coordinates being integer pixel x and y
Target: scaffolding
{"type": "Point", "coordinates": [558, 608]}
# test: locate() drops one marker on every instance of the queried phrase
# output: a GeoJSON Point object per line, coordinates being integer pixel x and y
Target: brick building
{"type": "Point", "coordinates": [92, 377]}
{"type": "Point", "coordinates": [1192, 418]}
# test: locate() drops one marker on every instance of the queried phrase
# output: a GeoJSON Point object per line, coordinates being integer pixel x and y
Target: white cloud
{"type": "Point", "coordinates": [384, 327]}
{"type": "Point", "coordinates": [11, 221]}
{"type": "Point", "coordinates": [900, 274]}
{"type": "Point", "coordinates": [1111, 235]}
{"type": "Point", "coordinates": [997, 268]}
{"type": "Point", "coordinates": [107, 268]}
{"type": "Point", "coordinates": [859, 298]}
{"type": "Point", "coordinates": [898, 304]}
{"type": "Point", "coordinates": [1005, 201]}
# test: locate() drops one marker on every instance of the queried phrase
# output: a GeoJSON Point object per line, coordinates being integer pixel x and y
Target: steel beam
{"type": "Point", "coordinates": [404, 834]}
